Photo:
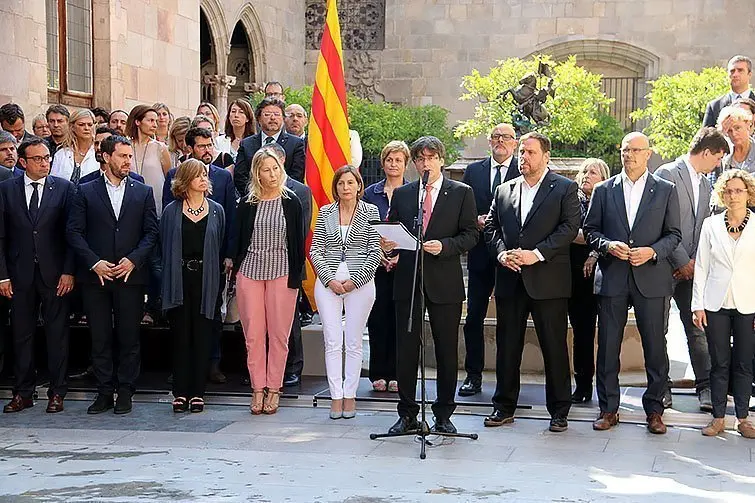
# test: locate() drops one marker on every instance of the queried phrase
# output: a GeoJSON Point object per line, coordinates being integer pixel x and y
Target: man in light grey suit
{"type": "Point", "coordinates": [633, 222]}
{"type": "Point", "coordinates": [688, 174]}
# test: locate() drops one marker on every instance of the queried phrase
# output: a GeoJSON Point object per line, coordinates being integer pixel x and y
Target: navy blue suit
{"type": "Point", "coordinates": [33, 256]}
{"type": "Point", "coordinates": [94, 174]}
{"type": "Point", "coordinates": [294, 165]}
{"type": "Point", "coordinates": [223, 193]}
{"type": "Point", "coordinates": [481, 267]}
{"type": "Point", "coordinates": [95, 233]}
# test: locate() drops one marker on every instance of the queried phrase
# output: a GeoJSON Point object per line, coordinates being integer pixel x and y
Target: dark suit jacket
{"type": "Point", "coordinates": [691, 221]}
{"type": "Point", "coordinates": [453, 223]}
{"type": "Point", "coordinates": [656, 225]}
{"type": "Point", "coordinates": [294, 166]}
{"type": "Point", "coordinates": [95, 174]}
{"type": "Point", "coordinates": [477, 176]}
{"type": "Point", "coordinates": [713, 108]}
{"type": "Point", "coordinates": [223, 193]}
{"type": "Point", "coordinates": [95, 234]}
{"type": "Point", "coordinates": [6, 173]}
{"type": "Point", "coordinates": [20, 236]}
{"type": "Point", "coordinates": [550, 226]}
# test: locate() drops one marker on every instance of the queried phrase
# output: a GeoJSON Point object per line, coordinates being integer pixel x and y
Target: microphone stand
{"type": "Point", "coordinates": [419, 271]}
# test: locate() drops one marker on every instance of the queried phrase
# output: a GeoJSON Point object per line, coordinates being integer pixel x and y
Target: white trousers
{"type": "Point", "coordinates": [343, 377]}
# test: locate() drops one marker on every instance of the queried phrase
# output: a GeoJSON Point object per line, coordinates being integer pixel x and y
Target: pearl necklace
{"type": "Point", "coordinates": [194, 212]}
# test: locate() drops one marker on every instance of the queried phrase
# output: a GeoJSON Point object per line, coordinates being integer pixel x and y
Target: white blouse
{"type": "Point", "coordinates": [63, 163]}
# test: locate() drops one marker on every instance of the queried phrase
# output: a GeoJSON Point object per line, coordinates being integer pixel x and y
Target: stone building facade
{"type": "Point", "coordinates": [182, 51]}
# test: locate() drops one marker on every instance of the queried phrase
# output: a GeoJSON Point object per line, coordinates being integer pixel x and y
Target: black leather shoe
{"type": "Point", "coordinates": [558, 424]}
{"type": "Point", "coordinates": [581, 395]}
{"type": "Point", "coordinates": [666, 399]}
{"type": "Point", "coordinates": [443, 426]}
{"type": "Point", "coordinates": [101, 404]}
{"type": "Point", "coordinates": [403, 425]}
{"type": "Point", "coordinates": [498, 418]}
{"type": "Point", "coordinates": [290, 380]}
{"type": "Point", "coordinates": [470, 387]}
{"type": "Point", "coordinates": [123, 403]}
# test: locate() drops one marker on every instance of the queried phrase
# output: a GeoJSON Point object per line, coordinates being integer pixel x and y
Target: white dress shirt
{"type": "Point", "coordinates": [433, 188]}
{"type": "Point", "coordinates": [275, 137]}
{"type": "Point", "coordinates": [29, 189]}
{"type": "Point", "coordinates": [115, 192]}
{"type": "Point", "coordinates": [504, 166]}
{"type": "Point", "coordinates": [63, 163]}
{"type": "Point", "coordinates": [528, 195]}
{"type": "Point", "coordinates": [633, 194]}
{"type": "Point", "coordinates": [696, 179]}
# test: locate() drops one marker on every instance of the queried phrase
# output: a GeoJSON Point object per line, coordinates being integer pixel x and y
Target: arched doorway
{"type": "Point", "coordinates": [240, 62]}
{"type": "Point", "coordinates": [207, 60]}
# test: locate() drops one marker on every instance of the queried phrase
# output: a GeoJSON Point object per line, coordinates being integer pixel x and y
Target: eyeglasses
{"type": "Point", "coordinates": [426, 159]}
{"type": "Point", "coordinates": [633, 151]}
{"type": "Point", "coordinates": [39, 158]}
{"type": "Point", "coordinates": [734, 192]}
{"type": "Point", "coordinates": [270, 115]}
{"type": "Point", "coordinates": [504, 137]}
{"type": "Point", "coordinates": [206, 146]}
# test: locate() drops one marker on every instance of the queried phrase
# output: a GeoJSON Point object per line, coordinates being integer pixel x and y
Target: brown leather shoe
{"type": "Point", "coordinates": [606, 421]}
{"type": "Point", "coordinates": [655, 424]}
{"type": "Point", "coordinates": [746, 429]}
{"type": "Point", "coordinates": [18, 404]}
{"type": "Point", "coordinates": [54, 404]}
{"type": "Point", "coordinates": [715, 427]}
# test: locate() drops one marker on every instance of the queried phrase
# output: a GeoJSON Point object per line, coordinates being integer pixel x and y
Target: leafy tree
{"type": "Point", "coordinates": [675, 107]}
{"type": "Point", "coordinates": [574, 111]}
{"type": "Point", "coordinates": [602, 141]}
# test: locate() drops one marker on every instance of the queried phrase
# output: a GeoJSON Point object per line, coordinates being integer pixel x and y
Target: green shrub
{"type": "Point", "coordinates": [602, 141]}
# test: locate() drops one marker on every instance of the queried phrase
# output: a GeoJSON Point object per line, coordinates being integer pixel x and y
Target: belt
{"type": "Point", "coordinates": [192, 265]}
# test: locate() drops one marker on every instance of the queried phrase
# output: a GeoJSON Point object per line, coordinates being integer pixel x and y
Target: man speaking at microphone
{"type": "Point", "coordinates": [449, 221]}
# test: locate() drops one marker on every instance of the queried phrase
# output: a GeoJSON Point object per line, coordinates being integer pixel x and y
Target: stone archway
{"type": "Point", "coordinates": [256, 38]}
{"type": "Point", "coordinates": [214, 72]}
{"type": "Point", "coordinates": [626, 69]}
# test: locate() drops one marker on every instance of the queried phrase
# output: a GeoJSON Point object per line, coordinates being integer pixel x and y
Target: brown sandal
{"type": "Point", "coordinates": [257, 402]}
{"type": "Point", "coordinates": [271, 402]}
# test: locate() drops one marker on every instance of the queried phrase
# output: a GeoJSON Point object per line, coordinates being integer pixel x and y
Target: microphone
{"type": "Point", "coordinates": [425, 177]}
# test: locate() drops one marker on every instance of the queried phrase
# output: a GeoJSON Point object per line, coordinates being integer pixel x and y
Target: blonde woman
{"type": "Point", "coordinates": [75, 158]}
{"type": "Point", "coordinates": [177, 141]}
{"type": "Point", "coordinates": [164, 121]}
{"type": "Point", "coordinates": [345, 253]}
{"type": "Point", "coordinates": [723, 297]}
{"type": "Point", "coordinates": [268, 263]}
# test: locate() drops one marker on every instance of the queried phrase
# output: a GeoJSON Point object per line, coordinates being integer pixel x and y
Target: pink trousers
{"type": "Point", "coordinates": [266, 308]}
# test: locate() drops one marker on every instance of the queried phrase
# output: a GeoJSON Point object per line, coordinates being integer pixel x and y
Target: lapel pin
{"type": "Point", "coordinates": [445, 193]}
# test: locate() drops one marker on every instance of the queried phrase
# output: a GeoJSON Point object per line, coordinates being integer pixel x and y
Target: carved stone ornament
{"type": "Point", "coordinates": [226, 81]}
{"type": "Point", "coordinates": [362, 70]}
{"type": "Point", "coordinates": [362, 24]}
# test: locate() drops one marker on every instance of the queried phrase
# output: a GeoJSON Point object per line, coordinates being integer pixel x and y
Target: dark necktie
{"type": "Point", "coordinates": [34, 201]}
{"type": "Point", "coordinates": [269, 140]}
{"type": "Point", "coordinates": [76, 173]}
{"type": "Point", "coordinates": [496, 178]}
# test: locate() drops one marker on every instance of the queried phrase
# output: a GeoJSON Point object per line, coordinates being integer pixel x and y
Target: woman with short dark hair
{"type": "Point", "coordinates": [345, 253]}
{"type": "Point", "coordinates": [192, 229]}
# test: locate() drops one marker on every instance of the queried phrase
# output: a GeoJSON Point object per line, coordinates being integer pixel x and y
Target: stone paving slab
{"type": "Point", "coordinates": [299, 455]}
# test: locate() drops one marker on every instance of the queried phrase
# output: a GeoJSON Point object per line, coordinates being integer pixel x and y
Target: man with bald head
{"type": "Point", "coordinates": [634, 223]}
{"type": "Point", "coordinates": [295, 120]}
{"type": "Point", "coordinates": [484, 176]}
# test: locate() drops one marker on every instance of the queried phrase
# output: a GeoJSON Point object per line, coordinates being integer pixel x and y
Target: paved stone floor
{"type": "Point", "coordinates": [299, 455]}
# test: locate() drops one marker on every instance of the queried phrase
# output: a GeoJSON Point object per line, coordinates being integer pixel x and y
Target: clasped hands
{"type": "Point", "coordinates": [515, 259]}
{"type": "Point", "coordinates": [341, 287]}
{"type": "Point", "coordinates": [108, 271]}
{"type": "Point", "coordinates": [635, 256]}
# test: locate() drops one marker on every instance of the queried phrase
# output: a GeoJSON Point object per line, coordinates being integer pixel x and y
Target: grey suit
{"type": "Point", "coordinates": [691, 223]}
{"type": "Point", "coordinates": [714, 106]}
{"type": "Point", "coordinates": [646, 287]}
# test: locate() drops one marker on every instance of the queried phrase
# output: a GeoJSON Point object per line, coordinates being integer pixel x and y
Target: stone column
{"type": "Point", "coordinates": [220, 85]}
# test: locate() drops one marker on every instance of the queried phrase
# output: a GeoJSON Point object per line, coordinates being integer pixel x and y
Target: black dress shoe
{"type": "Point", "coordinates": [558, 424]}
{"type": "Point", "coordinates": [581, 395]}
{"type": "Point", "coordinates": [403, 425]}
{"type": "Point", "coordinates": [101, 404]}
{"type": "Point", "coordinates": [666, 399]}
{"type": "Point", "coordinates": [123, 403]}
{"type": "Point", "coordinates": [470, 387]}
{"type": "Point", "coordinates": [290, 380]}
{"type": "Point", "coordinates": [443, 426]}
{"type": "Point", "coordinates": [498, 418]}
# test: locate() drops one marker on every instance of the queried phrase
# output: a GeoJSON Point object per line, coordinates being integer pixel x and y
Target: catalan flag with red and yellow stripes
{"type": "Point", "coordinates": [328, 133]}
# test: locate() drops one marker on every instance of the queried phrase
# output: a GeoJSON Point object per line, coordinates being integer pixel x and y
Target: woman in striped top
{"type": "Point", "coordinates": [268, 263]}
{"type": "Point", "coordinates": [345, 253]}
